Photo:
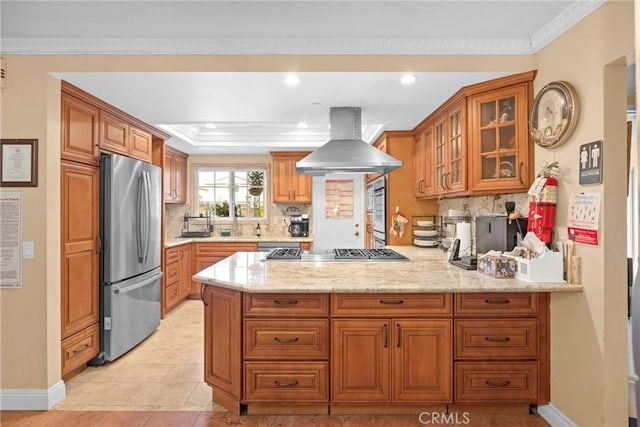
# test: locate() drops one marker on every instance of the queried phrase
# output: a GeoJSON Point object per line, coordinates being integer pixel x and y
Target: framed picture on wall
{"type": "Point", "coordinates": [19, 163]}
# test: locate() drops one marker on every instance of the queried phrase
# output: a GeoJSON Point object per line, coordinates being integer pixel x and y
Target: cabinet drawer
{"type": "Point", "coordinates": [390, 304]}
{"type": "Point", "coordinates": [286, 339]}
{"type": "Point", "coordinates": [171, 295]}
{"type": "Point", "coordinates": [286, 382]}
{"type": "Point", "coordinates": [78, 349]}
{"type": "Point", "coordinates": [501, 339]}
{"type": "Point", "coordinates": [293, 305]}
{"type": "Point", "coordinates": [224, 249]}
{"type": "Point", "coordinates": [500, 303]}
{"type": "Point", "coordinates": [496, 382]}
{"type": "Point", "coordinates": [172, 274]}
{"type": "Point", "coordinates": [171, 255]}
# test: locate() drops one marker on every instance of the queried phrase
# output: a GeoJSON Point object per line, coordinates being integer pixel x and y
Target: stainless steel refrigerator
{"type": "Point", "coordinates": [130, 208]}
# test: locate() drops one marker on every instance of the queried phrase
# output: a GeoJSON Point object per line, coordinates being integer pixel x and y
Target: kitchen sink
{"type": "Point", "coordinates": [195, 234]}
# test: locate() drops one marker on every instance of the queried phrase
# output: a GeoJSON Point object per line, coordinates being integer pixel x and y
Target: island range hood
{"type": "Point", "coordinates": [346, 152]}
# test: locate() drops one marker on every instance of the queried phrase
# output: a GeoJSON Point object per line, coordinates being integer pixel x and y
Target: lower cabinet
{"type": "Point", "coordinates": [207, 254]}
{"type": "Point", "coordinates": [286, 352]}
{"type": "Point", "coordinates": [177, 277]}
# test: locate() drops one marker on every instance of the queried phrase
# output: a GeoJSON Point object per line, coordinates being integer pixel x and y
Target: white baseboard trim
{"type": "Point", "coordinates": [32, 399]}
{"type": "Point", "coordinates": [555, 416]}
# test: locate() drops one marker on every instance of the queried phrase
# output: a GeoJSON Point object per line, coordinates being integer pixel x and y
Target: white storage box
{"type": "Point", "coordinates": [545, 268]}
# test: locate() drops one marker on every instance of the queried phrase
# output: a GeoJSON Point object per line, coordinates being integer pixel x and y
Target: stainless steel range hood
{"type": "Point", "coordinates": [346, 152]}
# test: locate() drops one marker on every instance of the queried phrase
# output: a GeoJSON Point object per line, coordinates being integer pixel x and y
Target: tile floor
{"type": "Point", "coordinates": [159, 383]}
{"type": "Point", "coordinates": [163, 373]}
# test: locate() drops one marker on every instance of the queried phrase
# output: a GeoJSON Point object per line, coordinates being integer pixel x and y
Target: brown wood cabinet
{"type": "Point", "coordinates": [288, 185]}
{"type": "Point", "coordinates": [477, 142]}
{"type": "Point", "coordinates": [408, 359]}
{"type": "Point", "coordinates": [223, 345]}
{"type": "Point", "coordinates": [80, 262]}
{"type": "Point", "coordinates": [175, 176]}
{"type": "Point", "coordinates": [88, 126]}
{"type": "Point", "coordinates": [177, 277]}
{"type": "Point", "coordinates": [399, 192]}
{"type": "Point", "coordinates": [501, 348]}
{"type": "Point", "coordinates": [375, 352]}
{"type": "Point", "coordinates": [500, 150]}
{"type": "Point", "coordinates": [204, 255]}
{"type": "Point", "coordinates": [80, 129]}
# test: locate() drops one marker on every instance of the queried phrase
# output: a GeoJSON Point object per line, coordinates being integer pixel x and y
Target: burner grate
{"type": "Point", "coordinates": [285, 253]}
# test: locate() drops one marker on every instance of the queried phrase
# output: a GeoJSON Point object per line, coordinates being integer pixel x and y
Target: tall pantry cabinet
{"type": "Point", "coordinates": [89, 126]}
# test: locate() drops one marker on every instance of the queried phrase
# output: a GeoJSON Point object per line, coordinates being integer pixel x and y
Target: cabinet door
{"type": "Point", "coordinates": [80, 125]}
{"type": "Point", "coordinates": [360, 360]}
{"type": "Point", "coordinates": [185, 271]}
{"type": "Point", "coordinates": [180, 178]}
{"type": "Point", "coordinates": [422, 360]}
{"type": "Point", "coordinates": [80, 257]}
{"type": "Point", "coordinates": [456, 160]}
{"type": "Point", "coordinates": [281, 180]}
{"type": "Point", "coordinates": [424, 164]}
{"type": "Point", "coordinates": [302, 186]}
{"type": "Point", "coordinates": [140, 144]}
{"type": "Point", "coordinates": [167, 177]}
{"type": "Point", "coordinates": [222, 340]}
{"type": "Point", "coordinates": [114, 134]}
{"type": "Point", "coordinates": [440, 153]}
{"type": "Point", "coordinates": [500, 148]}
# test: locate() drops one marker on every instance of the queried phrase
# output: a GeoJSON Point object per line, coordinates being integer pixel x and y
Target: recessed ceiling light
{"type": "Point", "coordinates": [408, 79]}
{"type": "Point", "coordinates": [302, 125]}
{"type": "Point", "coordinates": [210, 126]}
{"type": "Point", "coordinates": [291, 79]}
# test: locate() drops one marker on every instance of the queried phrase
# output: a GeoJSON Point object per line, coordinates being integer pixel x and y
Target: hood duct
{"type": "Point", "coordinates": [346, 152]}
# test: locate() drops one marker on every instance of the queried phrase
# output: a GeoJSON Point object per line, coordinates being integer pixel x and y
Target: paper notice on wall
{"type": "Point", "coordinates": [10, 239]}
{"type": "Point", "coordinates": [584, 217]}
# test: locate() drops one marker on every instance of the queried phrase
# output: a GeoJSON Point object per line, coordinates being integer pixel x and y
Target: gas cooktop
{"type": "Point", "coordinates": [382, 254]}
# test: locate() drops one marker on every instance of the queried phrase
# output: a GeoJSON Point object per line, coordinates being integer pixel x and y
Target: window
{"type": "Point", "coordinates": [226, 193]}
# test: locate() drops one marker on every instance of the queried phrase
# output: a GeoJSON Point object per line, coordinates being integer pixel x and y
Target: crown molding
{"type": "Point", "coordinates": [273, 46]}
{"type": "Point", "coordinates": [573, 14]}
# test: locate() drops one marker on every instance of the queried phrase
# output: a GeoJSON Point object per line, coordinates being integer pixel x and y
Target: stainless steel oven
{"type": "Point", "coordinates": [379, 212]}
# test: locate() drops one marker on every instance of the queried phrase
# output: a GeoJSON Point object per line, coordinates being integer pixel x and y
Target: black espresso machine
{"type": "Point", "coordinates": [299, 226]}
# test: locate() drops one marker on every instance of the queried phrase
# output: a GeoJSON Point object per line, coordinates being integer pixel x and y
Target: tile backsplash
{"type": "Point", "coordinates": [483, 205]}
{"type": "Point", "coordinates": [274, 226]}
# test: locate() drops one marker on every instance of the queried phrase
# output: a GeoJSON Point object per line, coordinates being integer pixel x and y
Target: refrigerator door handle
{"type": "Point", "coordinates": [147, 214]}
{"type": "Point", "coordinates": [141, 189]}
{"type": "Point", "coordinates": [125, 289]}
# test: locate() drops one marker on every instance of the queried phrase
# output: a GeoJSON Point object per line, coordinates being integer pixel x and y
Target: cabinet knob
{"type": "Point", "coordinates": [357, 233]}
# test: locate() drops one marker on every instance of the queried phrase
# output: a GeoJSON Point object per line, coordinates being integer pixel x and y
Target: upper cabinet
{"type": "Point", "coordinates": [477, 142]}
{"type": "Point", "coordinates": [175, 176]}
{"type": "Point", "coordinates": [79, 139]}
{"type": "Point", "coordinates": [117, 136]}
{"type": "Point", "coordinates": [501, 153]}
{"type": "Point", "coordinates": [288, 185]}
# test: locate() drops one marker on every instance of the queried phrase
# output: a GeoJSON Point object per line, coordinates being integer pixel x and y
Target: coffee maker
{"type": "Point", "coordinates": [299, 226]}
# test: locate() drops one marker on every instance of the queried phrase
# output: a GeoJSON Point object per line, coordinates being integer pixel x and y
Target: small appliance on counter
{"type": "Point", "coordinates": [187, 232]}
{"type": "Point", "coordinates": [299, 226]}
{"type": "Point", "coordinates": [498, 233]}
{"type": "Point", "coordinates": [467, 262]}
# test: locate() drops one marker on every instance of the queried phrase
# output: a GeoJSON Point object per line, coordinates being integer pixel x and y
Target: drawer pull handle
{"type": "Point", "coordinates": [497, 301]}
{"type": "Point", "coordinates": [81, 349]}
{"type": "Point", "coordinates": [294, 339]}
{"type": "Point", "coordinates": [392, 302]}
{"type": "Point", "coordinates": [503, 339]}
{"type": "Point", "coordinates": [399, 334]}
{"type": "Point", "coordinates": [386, 336]}
{"type": "Point", "coordinates": [279, 384]}
{"type": "Point", "coordinates": [285, 302]}
{"type": "Point", "coordinates": [498, 383]}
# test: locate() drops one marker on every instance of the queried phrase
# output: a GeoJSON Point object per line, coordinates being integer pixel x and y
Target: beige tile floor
{"type": "Point", "coordinates": [163, 373]}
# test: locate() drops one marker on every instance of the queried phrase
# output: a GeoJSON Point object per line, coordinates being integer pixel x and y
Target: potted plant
{"type": "Point", "coordinates": [255, 179]}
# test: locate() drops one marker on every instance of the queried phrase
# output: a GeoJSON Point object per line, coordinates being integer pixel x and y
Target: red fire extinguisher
{"type": "Point", "coordinates": [542, 209]}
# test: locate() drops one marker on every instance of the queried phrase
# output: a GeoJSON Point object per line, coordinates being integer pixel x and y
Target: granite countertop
{"type": "Point", "coordinates": [426, 271]}
{"type": "Point", "coordinates": [177, 241]}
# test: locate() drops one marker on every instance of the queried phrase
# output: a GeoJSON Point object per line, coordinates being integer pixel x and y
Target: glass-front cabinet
{"type": "Point", "coordinates": [449, 132]}
{"type": "Point", "coordinates": [499, 141]}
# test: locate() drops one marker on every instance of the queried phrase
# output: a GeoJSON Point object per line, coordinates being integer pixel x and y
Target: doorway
{"type": "Point", "coordinates": [338, 213]}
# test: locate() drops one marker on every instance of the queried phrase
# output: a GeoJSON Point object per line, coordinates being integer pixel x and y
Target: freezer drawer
{"type": "Point", "coordinates": [131, 313]}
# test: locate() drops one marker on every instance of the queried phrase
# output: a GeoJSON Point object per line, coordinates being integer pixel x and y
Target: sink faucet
{"type": "Point", "coordinates": [236, 229]}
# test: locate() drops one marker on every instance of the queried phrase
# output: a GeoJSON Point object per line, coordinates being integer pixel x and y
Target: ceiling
{"type": "Point", "coordinates": [255, 112]}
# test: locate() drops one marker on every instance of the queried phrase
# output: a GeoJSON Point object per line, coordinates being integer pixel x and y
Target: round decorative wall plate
{"type": "Point", "coordinates": [554, 114]}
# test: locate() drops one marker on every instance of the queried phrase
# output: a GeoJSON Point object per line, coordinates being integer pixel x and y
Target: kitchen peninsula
{"type": "Point", "coordinates": [372, 337]}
